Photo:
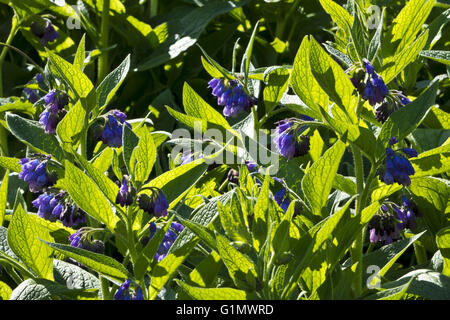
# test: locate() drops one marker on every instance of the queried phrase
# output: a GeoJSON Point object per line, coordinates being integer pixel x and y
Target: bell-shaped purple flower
{"type": "Point", "coordinates": [72, 216]}
{"type": "Point", "coordinates": [287, 141]}
{"type": "Point", "coordinates": [397, 168]}
{"type": "Point", "coordinates": [46, 32]}
{"type": "Point", "coordinates": [155, 204]}
{"type": "Point", "coordinates": [125, 196]}
{"type": "Point", "coordinates": [231, 95]}
{"type": "Point", "coordinates": [112, 132]}
{"type": "Point", "coordinates": [32, 95]}
{"type": "Point", "coordinates": [34, 172]}
{"type": "Point", "coordinates": [124, 292]}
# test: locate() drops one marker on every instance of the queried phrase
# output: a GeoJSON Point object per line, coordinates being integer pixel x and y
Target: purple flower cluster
{"type": "Point", "coordinates": [32, 95]}
{"type": "Point", "coordinates": [387, 224]}
{"type": "Point", "coordinates": [46, 32]}
{"type": "Point", "coordinates": [124, 292]}
{"type": "Point", "coordinates": [397, 167]}
{"type": "Point", "coordinates": [54, 110]}
{"type": "Point", "coordinates": [288, 141]}
{"type": "Point", "coordinates": [282, 199]}
{"type": "Point", "coordinates": [371, 87]}
{"type": "Point", "coordinates": [52, 207]}
{"type": "Point", "coordinates": [113, 129]}
{"type": "Point", "coordinates": [126, 194]}
{"type": "Point", "coordinates": [167, 242]}
{"type": "Point", "coordinates": [155, 204]}
{"type": "Point", "coordinates": [397, 101]}
{"type": "Point", "coordinates": [232, 96]}
{"type": "Point", "coordinates": [34, 172]}
{"type": "Point", "coordinates": [80, 239]}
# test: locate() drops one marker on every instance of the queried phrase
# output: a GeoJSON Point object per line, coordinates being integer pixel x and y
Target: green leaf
{"type": "Point", "coordinates": [80, 55]}
{"type": "Point", "coordinates": [425, 283]}
{"type": "Point", "coordinates": [149, 251]}
{"type": "Point", "coordinates": [167, 268]}
{"type": "Point", "coordinates": [333, 81]}
{"type": "Point", "coordinates": [205, 273]}
{"type": "Point", "coordinates": [431, 197]}
{"type": "Point", "coordinates": [33, 135]}
{"type": "Point", "coordinates": [403, 121]}
{"type": "Point", "coordinates": [10, 164]}
{"type": "Point", "coordinates": [303, 82]}
{"type": "Point", "coordinates": [5, 291]}
{"type": "Point", "coordinates": [339, 15]}
{"type": "Point", "coordinates": [3, 196]}
{"type": "Point", "coordinates": [409, 22]}
{"type": "Point", "coordinates": [102, 264]}
{"type": "Point", "coordinates": [16, 104]}
{"type": "Point", "coordinates": [245, 64]}
{"type": "Point", "coordinates": [78, 82]}
{"type": "Point", "coordinates": [196, 107]}
{"type": "Point", "coordinates": [87, 196]}
{"type": "Point", "coordinates": [143, 156]}
{"type": "Point", "coordinates": [109, 86]}
{"type": "Point", "coordinates": [375, 43]}
{"type": "Point", "coordinates": [202, 232]}
{"type": "Point", "coordinates": [318, 180]}
{"type": "Point", "coordinates": [437, 55]}
{"type": "Point", "coordinates": [106, 185]}
{"type": "Point", "coordinates": [203, 215]}
{"type": "Point", "coordinates": [396, 293]}
{"type": "Point", "coordinates": [130, 141]}
{"type": "Point", "coordinates": [239, 266]}
{"type": "Point", "coordinates": [213, 293]}
{"type": "Point", "coordinates": [73, 276]}
{"type": "Point", "coordinates": [261, 215]}
{"type": "Point", "coordinates": [443, 243]}
{"type": "Point", "coordinates": [24, 238]}
{"type": "Point", "coordinates": [392, 66]}
{"type": "Point", "coordinates": [43, 289]}
{"type": "Point", "coordinates": [277, 84]}
{"type": "Point", "coordinates": [176, 182]}
{"type": "Point", "coordinates": [432, 162]}
{"type": "Point", "coordinates": [71, 125]}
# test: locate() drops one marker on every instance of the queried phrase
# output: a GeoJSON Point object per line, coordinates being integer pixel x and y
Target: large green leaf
{"type": "Point", "coordinates": [437, 55]}
{"type": "Point", "coordinates": [167, 268]}
{"type": "Point", "coordinates": [24, 238]}
{"type": "Point", "coordinates": [409, 22]}
{"type": "Point", "coordinates": [443, 243]}
{"type": "Point", "coordinates": [102, 264]}
{"type": "Point", "coordinates": [176, 182]}
{"type": "Point", "coordinates": [78, 82]}
{"type": "Point", "coordinates": [318, 180]}
{"type": "Point", "coordinates": [3, 196]}
{"type": "Point", "coordinates": [403, 121]}
{"type": "Point", "coordinates": [333, 81]}
{"type": "Point", "coordinates": [199, 293]}
{"type": "Point", "coordinates": [32, 134]}
{"type": "Point", "coordinates": [87, 196]}
{"type": "Point", "coordinates": [143, 156]}
{"type": "Point", "coordinates": [109, 86]}
{"type": "Point", "coordinates": [71, 125]}
{"type": "Point", "coordinates": [339, 15]}
{"type": "Point", "coordinates": [240, 267]}
{"type": "Point", "coordinates": [196, 107]}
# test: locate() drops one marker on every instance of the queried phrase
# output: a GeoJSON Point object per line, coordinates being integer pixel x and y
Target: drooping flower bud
{"type": "Point", "coordinates": [155, 204]}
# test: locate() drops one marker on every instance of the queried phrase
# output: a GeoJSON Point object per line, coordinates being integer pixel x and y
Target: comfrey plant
{"type": "Point", "coordinates": [284, 177]}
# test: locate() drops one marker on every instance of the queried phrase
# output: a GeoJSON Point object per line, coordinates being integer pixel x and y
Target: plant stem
{"type": "Point", "coordinates": [153, 8]}
{"type": "Point", "coordinates": [105, 288]}
{"type": "Point", "coordinates": [104, 32]}
{"type": "Point", "coordinates": [356, 250]}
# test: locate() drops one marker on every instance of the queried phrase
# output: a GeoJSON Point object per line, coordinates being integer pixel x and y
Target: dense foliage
{"type": "Point", "coordinates": [217, 149]}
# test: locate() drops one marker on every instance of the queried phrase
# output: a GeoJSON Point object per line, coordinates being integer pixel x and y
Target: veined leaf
{"type": "Point", "coordinates": [102, 264]}
{"type": "Point", "coordinates": [24, 238]}
{"type": "Point", "coordinates": [214, 293]}
{"type": "Point", "coordinates": [143, 156]}
{"type": "Point", "coordinates": [3, 196]}
{"type": "Point", "coordinates": [87, 196]}
{"type": "Point", "coordinates": [339, 15]}
{"type": "Point", "coordinates": [74, 77]}
{"type": "Point", "coordinates": [437, 55]}
{"type": "Point", "coordinates": [443, 242]}
{"type": "Point", "coordinates": [71, 125]}
{"type": "Point", "coordinates": [333, 81]}
{"type": "Point", "coordinates": [318, 180]}
{"type": "Point", "coordinates": [32, 134]}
